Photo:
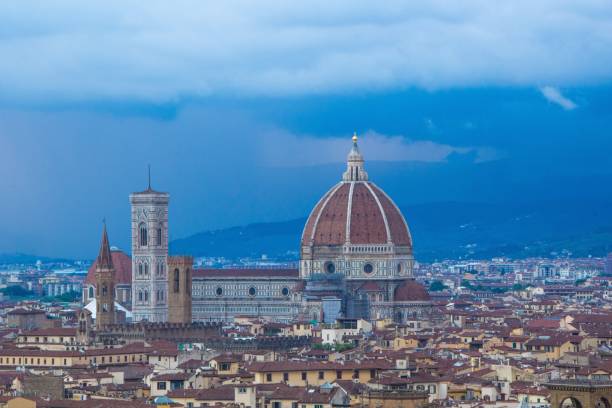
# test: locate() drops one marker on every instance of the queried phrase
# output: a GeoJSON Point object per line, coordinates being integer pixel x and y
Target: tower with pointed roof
{"type": "Point", "coordinates": [105, 284]}
{"type": "Point", "coordinates": [149, 255]}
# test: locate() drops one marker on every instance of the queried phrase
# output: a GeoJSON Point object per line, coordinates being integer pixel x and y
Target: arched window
{"type": "Point", "coordinates": [143, 234]}
{"type": "Point", "coordinates": [146, 269]}
{"type": "Point", "coordinates": [140, 296]}
{"type": "Point", "coordinates": [140, 269]}
{"type": "Point", "coordinates": [146, 296]}
{"type": "Point", "coordinates": [104, 290]}
{"type": "Point", "coordinates": [91, 292]}
{"type": "Point", "coordinates": [187, 283]}
{"type": "Point", "coordinates": [159, 235]}
{"type": "Point", "coordinates": [176, 281]}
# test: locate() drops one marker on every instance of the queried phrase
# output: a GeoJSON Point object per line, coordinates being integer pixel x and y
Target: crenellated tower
{"type": "Point", "coordinates": [179, 289]}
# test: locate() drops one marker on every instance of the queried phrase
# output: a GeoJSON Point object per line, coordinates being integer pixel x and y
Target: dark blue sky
{"type": "Point", "coordinates": [245, 114]}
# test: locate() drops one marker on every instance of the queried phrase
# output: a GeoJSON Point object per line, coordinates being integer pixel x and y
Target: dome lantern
{"type": "Point", "coordinates": [355, 170]}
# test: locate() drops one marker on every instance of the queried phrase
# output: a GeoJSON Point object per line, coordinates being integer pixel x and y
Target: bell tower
{"type": "Point", "coordinates": [105, 284]}
{"type": "Point", "coordinates": [149, 255]}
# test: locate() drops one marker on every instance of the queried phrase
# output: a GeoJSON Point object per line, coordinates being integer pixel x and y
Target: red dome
{"type": "Point", "coordinates": [411, 291]}
{"type": "Point", "coordinates": [360, 210]}
{"type": "Point", "coordinates": [123, 269]}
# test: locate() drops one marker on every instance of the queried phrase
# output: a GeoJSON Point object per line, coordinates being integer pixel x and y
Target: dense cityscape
{"type": "Point", "coordinates": [356, 321]}
{"type": "Point", "coordinates": [306, 204]}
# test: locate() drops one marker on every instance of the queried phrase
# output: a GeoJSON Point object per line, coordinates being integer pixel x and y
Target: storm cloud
{"type": "Point", "coordinates": [159, 51]}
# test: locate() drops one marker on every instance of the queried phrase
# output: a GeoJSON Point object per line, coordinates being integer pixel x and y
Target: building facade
{"type": "Point", "coordinates": [149, 255]}
{"type": "Point", "coordinates": [223, 294]}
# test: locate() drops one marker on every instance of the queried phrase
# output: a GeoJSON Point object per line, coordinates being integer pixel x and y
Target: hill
{"type": "Point", "coordinates": [440, 231]}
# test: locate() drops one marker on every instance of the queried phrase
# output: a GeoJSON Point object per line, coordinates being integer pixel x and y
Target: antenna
{"type": "Point", "coordinates": [149, 176]}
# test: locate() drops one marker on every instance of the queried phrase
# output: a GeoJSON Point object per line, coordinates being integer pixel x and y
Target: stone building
{"type": "Point", "coordinates": [179, 289]}
{"type": "Point", "coordinates": [105, 284]}
{"type": "Point", "coordinates": [356, 261]}
{"type": "Point", "coordinates": [358, 233]}
{"type": "Point", "coordinates": [149, 255]}
{"type": "Point", "coordinates": [222, 294]}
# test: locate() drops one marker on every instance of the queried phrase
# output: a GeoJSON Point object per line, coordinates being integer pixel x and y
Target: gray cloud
{"type": "Point", "coordinates": [158, 51]}
{"type": "Point", "coordinates": [308, 150]}
{"type": "Point", "coordinates": [555, 96]}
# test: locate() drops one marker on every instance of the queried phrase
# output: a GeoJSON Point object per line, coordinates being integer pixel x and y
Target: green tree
{"type": "Point", "coordinates": [437, 286]}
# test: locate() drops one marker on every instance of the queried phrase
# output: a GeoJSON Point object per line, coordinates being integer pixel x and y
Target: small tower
{"type": "Point", "coordinates": [105, 284]}
{"type": "Point", "coordinates": [179, 289]}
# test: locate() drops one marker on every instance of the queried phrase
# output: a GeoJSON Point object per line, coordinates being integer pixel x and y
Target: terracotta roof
{"type": "Point", "coordinates": [411, 291]}
{"type": "Point", "coordinates": [224, 393]}
{"type": "Point", "coordinates": [52, 331]}
{"type": "Point", "coordinates": [370, 286]}
{"type": "Point", "coordinates": [123, 269]}
{"type": "Point", "coordinates": [371, 216]}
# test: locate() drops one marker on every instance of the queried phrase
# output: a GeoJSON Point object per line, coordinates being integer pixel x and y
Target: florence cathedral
{"type": "Point", "coordinates": [355, 262]}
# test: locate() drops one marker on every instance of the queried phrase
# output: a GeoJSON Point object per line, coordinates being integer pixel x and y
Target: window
{"type": "Point", "coordinates": [176, 281]}
{"type": "Point", "coordinates": [276, 404]}
{"type": "Point", "coordinates": [242, 390]}
{"type": "Point", "coordinates": [146, 269]}
{"type": "Point", "coordinates": [187, 283]}
{"type": "Point", "coordinates": [368, 268]}
{"type": "Point", "coordinates": [304, 376]}
{"type": "Point", "coordinates": [91, 292]}
{"type": "Point", "coordinates": [140, 298]}
{"type": "Point", "coordinates": [285, 376]}
{"type": "Point", "coordinates": [143, 235]}
{"type": "Point", "coordinates": [104, 290]}
{"type": "Point", "coordinates": [140, 269]}
{"type": "Point", "coordinates": [159, 235]}
{"type": "Point", "coordinates": [372, 373]}
{"type": "Point", "coordinates": [321, 375]}
{"type": "Point", "coordinates": [269, 377]}
{"type": "Point", "coordinates": [146, 295]}
{"type": "Point", "coordinates": [330, 267]}
{"type": "Point", "coordinates": [285, 292]}
{"type": "Point", "coordinates": [219, 291]}
{"type": "Point", "coordinates": [339, 374]}
{"type": "Point", "coordinates": [161, 385]}
{"type": "Point", "coordinates": [252, 291]}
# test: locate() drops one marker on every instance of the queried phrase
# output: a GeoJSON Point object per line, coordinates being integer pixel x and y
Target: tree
{"type": "Point", "coordinates": [437, 286]}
